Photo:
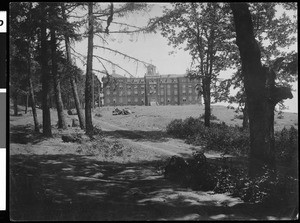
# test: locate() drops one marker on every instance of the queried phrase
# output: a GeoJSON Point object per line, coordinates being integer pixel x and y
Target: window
{"type": "Point", "coordinates": [129, 92]}
{"type": "Point", "coordinates": [129, 100]}
{"type": "Point", "coordinates": [162, 92]}
{"type": "Point", "coordinates": [169, 86]}
{"type": "Point", "coordinates": [168, 100]}
{"type": "Point", "coordinates": [175, 92]}
{"type": "Point", "coordinates": [190, 91]}
{"type": "Point", "coordinates": [168, 92]}
{"type": "Point", "coordinates": [175, 99]}
{"type": "Point", "coordinates": [107, 101]}
{"type": "Point", "coordinates": [184, 99]}
{"type": "Point", "coordinates": [121, 100]}
{"type": "Point", "coordinates": [175, 86]}
{"type": "Point", "coordinates": [161, 99]}
{"type": "Point", "coordinates": [190, 98]}
{"type": "Point", "coordinates": [135, 99]}
{"type": "Point", "coordinates": [108, 92]}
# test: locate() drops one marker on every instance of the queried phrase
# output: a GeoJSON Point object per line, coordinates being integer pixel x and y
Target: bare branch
{"type": "Point", "coordinates": [101, 58]}
{"type": "Point", "coordinates": [101, 37]}
{"type": "Point", "coordinates": [125, 55]}
{"type": "Point", "coordinates": [121, 23]}
{"type": "Point", "coordinates": [81, 57]}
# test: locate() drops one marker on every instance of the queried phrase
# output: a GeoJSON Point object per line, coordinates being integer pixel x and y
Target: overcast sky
{"type": "Point", "coordinates": [151, 48]}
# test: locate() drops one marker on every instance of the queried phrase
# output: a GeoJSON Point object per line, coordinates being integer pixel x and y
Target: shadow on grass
{"type": "Point", "coordinates": [24, 134]}
{"type": "Point", "coordinates": [137, 135]}
{"type": "Point", "coordinates": [73, 187]}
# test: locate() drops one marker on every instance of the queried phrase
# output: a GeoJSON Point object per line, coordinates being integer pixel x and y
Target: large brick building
{"type": "Point", "coordinates": [152, 89]}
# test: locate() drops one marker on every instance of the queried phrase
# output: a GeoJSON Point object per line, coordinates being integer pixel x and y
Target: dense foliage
{"type": "Point", "coordinates": [266, 188]}
{"type": "Point", "coordinates": [219, 137]}
{"type": "Point", "coordinates": [269, 187]}
{"type": "Point", "coordinates": [231, 139]}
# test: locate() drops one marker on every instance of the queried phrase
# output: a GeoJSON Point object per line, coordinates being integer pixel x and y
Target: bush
{"type": "Point", "coordinates": [222, 138]}
{"type": "Point", "coordinates": [286, 145]}
{"type": "Point", "coordinates": [231, 139]}
{"type": "Point", "coordinates": [184, 129]}
{"type": "Point", "coordinates": [269, 187]}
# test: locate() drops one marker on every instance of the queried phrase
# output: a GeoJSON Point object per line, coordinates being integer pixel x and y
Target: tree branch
{"type": "Point", "coordinates": [125, 55]}
{"type": "Point", "coordinates": [101, 58]}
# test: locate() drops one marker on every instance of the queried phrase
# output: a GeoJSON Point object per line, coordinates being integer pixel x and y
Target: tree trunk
{"type": "Point", "coordinates": [89, 68]}
{"type": "Point", "coordinates": [45, 76]}
{"type": "Point", "coordinates": [32, 99]}
{"type": "Point", "coordinates": [15, 98]}
{"type": "Point", "coordinates": [99, 98]}
{"type": "Point", "coordinates": [33, 106]}
{"type": "Point", "coordinates": [261, 93]}
{"type": "Point", "coordinates": [56, 81]}
{"type": "Point", "coordinates": [93, 91]}
{"type": "Point", "coordinates": [206, 97]}
{"type": "Point", "coordinates": [26, 106]}
{"type": "Point", "coordinates": [72, 78]}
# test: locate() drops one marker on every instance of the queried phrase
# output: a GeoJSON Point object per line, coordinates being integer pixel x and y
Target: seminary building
{"type": "Point", "coordinates": [152, 89]}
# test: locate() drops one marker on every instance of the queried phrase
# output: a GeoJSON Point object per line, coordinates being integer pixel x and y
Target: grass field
{"type": "Point", "coordinates": [157, 117]}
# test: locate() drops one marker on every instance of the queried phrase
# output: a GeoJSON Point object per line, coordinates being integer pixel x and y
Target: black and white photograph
{"type": "Point", "coordinates": [143, 111]}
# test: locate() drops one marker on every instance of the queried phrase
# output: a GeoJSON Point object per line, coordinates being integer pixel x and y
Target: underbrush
{"type": "Point", "coordinates": [268, 188]}
{"type": "Point", "coordinates": [231, 140]}
{"type": "Point", "coordinates": [218, 137]}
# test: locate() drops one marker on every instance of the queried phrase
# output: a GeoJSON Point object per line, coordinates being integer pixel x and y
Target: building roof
{"type": "Point", "coordinates": [117, 75]}
{"type": "Point", "coordinates": [172, 75]}
{"type": "Point", "coordinates": [114, 75]}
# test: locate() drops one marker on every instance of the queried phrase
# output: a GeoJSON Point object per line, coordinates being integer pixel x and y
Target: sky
{"type": "Point", "coordinates": [151, 48]}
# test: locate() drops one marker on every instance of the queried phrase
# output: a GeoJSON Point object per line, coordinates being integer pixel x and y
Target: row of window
{"type": "Point", "coordinates": [152, 86]}
{"type": "Point", "coordinates": [129, 100]}
{"type": "Point", "coordinates": [162, 80]}
{"type": "Point", "coordinates": [151, 91]}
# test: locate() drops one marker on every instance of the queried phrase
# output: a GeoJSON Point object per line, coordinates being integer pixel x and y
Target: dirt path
{"type": "Point", "coordinates": [155, 140]}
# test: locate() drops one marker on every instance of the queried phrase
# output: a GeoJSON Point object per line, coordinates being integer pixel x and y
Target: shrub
{"type": "Point", "coordinates": [231, 139]}
{"type": "Point", "coordinates": [286, 145]}
{"type": "Point", "coordinates": [269, 187]}
{"type": "Point", "coordinates": [175, 128]}
{"type": "Point", "coordinates": [222, 138]}
{"type": "Point", "coordinates": [184, 129]}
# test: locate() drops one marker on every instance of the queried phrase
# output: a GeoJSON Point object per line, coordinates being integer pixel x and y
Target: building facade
{"type": "Point", "coordinates": [152, 89]}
